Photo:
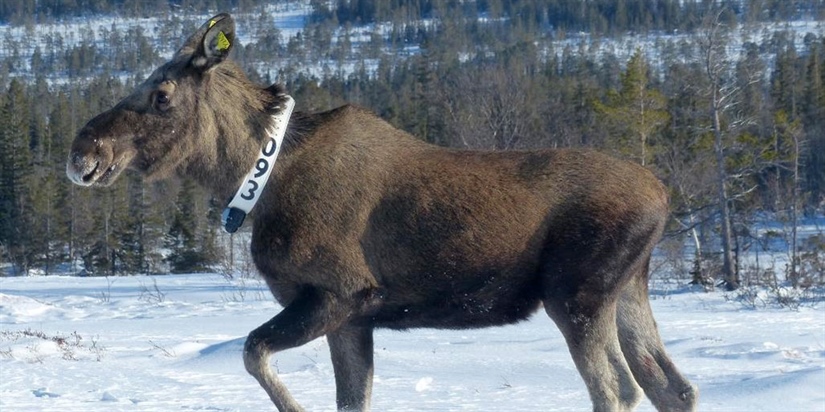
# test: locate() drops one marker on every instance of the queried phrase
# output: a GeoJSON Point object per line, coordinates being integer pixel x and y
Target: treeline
{"type": "Point", "coordinates": [595, 16]}
{"type": "Point", "coordinates": [22, 12]}
{"type": "Point", "coordinates": [736, 132]}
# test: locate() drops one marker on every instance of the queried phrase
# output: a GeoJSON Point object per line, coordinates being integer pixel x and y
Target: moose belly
{"type": "Point", "coordinates": [458, 299]}
{"type": "Point", "coordinates": [446, 263]}
{"type": "Point", "coordinates": [459, 311]}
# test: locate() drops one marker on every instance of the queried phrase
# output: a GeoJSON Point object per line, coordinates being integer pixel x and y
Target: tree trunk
{"type": "Point", "coordinates": [794, 275]}
{"type": "Point", "coordinates": [698, 272]}
{"type": "Point", "coordinates": [729, 272]}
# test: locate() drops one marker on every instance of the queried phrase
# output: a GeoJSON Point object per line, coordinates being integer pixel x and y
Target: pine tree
{"type": "Point", "coordinates": [786, 79]}
{"type": "Point", "coordinates": [637, 111]}
{"type": "Point", "coordinates": [105, 256]}
{"type": "Point", "coordinates": [685, 160]}
{"type": "Point", "coordinates": [45, 231]}
{"type": "Point", "coordinates": [191, 247]}
{"type": "Point", "coordinates": [15, 175]}
{"type": "Point", "coordinates": [141, 237]}
{"type": "Point", "coordinates": [788, 138]}
{"type": "Point", "coordinates": [814, 123]}
{"type": "Point", "coordinates": [76, 206]}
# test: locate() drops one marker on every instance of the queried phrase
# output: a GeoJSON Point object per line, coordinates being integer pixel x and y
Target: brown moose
{"type": "Point", "coordinates": [363, 226]}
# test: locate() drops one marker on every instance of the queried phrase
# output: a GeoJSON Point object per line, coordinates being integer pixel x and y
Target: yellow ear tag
{"type": "Point", "coordinates": [211, 23]}
{"type": "Point", "coordinates": [223, 42]}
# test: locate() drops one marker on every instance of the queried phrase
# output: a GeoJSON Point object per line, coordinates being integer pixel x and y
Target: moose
{"type": "Point", "coordinates": [364, 226]}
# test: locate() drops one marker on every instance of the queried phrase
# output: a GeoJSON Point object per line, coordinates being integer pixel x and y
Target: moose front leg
{"type": "Point", "coordinates": [313, 314]}
{"type": "Point", "coordinates": [352, 358]}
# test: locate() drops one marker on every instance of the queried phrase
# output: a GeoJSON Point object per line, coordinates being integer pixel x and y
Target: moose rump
{"type": "Point", "coordinates": [364, 226]}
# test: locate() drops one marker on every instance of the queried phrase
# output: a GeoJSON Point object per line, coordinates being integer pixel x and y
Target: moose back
{"type": "Point", "coordinates": [363, 226]}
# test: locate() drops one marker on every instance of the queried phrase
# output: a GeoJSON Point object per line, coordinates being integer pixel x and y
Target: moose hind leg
{"type": "Point", "coordinates": [351, 348]}
{"type": "Point", "coordinates": [313, 314]}
{"type": "Point", "coordinates": [590, 332]}
{"type": "Point", "coordinates": [666, 388]}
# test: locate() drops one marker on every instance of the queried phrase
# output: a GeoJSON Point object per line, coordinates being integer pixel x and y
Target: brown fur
{"type": "Point", "coordinates": [365, 226]}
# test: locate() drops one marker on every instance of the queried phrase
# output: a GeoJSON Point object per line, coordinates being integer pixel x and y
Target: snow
{"type": "Point", "coordinates": [291, 17]}
{"type": "Point", "coordinates": [174, 343]}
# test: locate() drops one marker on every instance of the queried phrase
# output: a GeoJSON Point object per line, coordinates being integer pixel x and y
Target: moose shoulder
{"type": "Point", "coordinates": [364, 226]}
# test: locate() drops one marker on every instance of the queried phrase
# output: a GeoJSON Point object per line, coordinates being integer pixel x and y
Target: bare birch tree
{"type": "Point", "coordinates": [723, 95]}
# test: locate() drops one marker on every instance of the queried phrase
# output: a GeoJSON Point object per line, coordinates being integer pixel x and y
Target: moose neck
{"type": "Point", "coordinates": [255, 181]}
{"type": "Point", "coordinates": [230, 134]}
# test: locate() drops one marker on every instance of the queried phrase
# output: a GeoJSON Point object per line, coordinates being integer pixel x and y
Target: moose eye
{"type": "Point", "coordinates": [161, 101]}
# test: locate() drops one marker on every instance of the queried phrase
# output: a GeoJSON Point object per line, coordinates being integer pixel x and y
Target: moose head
{"type": "Point", "coordinates": [189, 110]}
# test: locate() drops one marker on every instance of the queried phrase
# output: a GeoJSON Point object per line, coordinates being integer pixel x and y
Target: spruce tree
{"type": "Point", "coordinates": [637, 111]}
{"type": "Point", "coordinates": [185, 239]}
{"type": "Point", "coordinates": [141, 237]}
{"type": "Point", "coordinates": [15, 175]}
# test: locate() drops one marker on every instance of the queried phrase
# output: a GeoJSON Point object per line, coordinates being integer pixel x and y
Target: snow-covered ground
{"type": "Point", "coordinates": [174, 342]}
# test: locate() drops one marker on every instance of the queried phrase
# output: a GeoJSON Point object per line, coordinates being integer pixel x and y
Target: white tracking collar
{"type": "Point", "coordinates": [250, 191]}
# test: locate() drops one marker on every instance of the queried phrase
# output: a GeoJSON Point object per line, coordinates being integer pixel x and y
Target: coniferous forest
{"type": "Point", "coordinates": [723, 100]}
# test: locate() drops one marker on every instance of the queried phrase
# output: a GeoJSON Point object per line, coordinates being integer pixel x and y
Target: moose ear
{"type": "Point", "coordinates": [212, 43]}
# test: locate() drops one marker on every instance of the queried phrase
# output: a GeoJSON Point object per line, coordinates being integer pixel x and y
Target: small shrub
{"type": "Point", "coordinates": [811, 264]}
{"type": "Point", "coordinates": [153, 295]}
{"type": "Point", "coordinates": [72, 346]}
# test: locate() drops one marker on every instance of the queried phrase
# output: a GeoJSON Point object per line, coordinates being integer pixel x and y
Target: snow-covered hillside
{"type": "Point", "coordinates": [174, 343]}
{"type": "Point", "coordinates": [291, 18]}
